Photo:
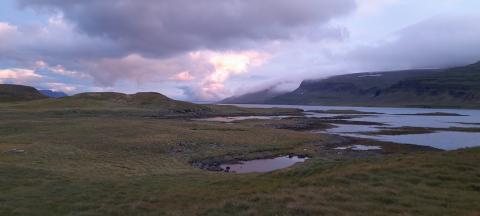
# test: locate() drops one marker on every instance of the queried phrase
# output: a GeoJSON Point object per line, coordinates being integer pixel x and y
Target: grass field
{"type": "Point", "coordinates": [115, 164]}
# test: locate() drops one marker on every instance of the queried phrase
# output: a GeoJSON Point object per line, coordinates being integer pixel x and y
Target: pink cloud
{"type": "Point", "coordinates": [61, 87]}
{"type": "Point", "coordinates": [226, 65]}
{"type": "Point", "coordinates": [60, 70]}
{"type": "Point", "coordinates": [182, 76]}
{"type": "Point", "coordinates": [209, 69]}
{"type": "Point", "coordinates": [18, 75]}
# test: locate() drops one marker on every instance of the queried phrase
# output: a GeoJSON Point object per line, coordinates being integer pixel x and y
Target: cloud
{"type": "Point", "coordinates": [183, 76]}
{"type": "Point", "coordinates": [441, 41]}
{"type": "Point", "coordinates": [134, 67]}
{"type": "Point", "coordinates": [168, 27]}
{"type": "Point", "coordinates": [55, 42]}
{"type": "Point", "coordinates": [59, 70]}
{"type": "Point", "coordinates": [210, 48]}
{"type": "Point", "coordinates": [226, 65]}
{"type": "Point", "coordinates": [201, 44]}
{"type": "Point", "coordinates": [18, 75]}
{"type": "Point", "coordinates": [204, 71]}
{"type": "Point", "coordinates": [437, 42]}
{"type": "Point", "coordinates": [31, 77]}
{"type": "Point", "coordinates": [60, 87]}
{"type": "Point", "coordinates": [6, 30]}
{"type": "Point", "coordinates": [5, 27]}
{"type": "Point", "coordinates": [8, 36]}
{"type": "Point", "coordinates": [369, 7]}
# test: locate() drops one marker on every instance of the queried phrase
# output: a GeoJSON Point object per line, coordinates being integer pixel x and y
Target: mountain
{"type": "Point", "coordinates": [253, 97]}
{"type": "Point", "coordinates": [454, 87]}
{"type": "Point", "coordinates": [13, 93]}
{"type": "Point", "coordinates": [53, 94]}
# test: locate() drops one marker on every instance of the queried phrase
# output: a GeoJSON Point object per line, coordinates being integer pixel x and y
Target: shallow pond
{"type": "Point", "coordinates": [395, 117]}
{"type": "Point", "coordinates": [263, 165]}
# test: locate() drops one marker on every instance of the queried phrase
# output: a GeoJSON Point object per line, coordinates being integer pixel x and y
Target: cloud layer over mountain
{"type": "Point", "coordinates": [210, 49]}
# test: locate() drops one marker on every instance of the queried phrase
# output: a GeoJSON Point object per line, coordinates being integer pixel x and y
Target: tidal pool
{"type": "Point", "coordinates": [404, 117]}
{"type": "Point", "coordinates": [263, 165]}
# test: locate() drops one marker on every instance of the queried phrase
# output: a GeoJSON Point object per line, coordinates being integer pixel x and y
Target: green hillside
{"type": "Point", "coordinates": [149, 104]}
{"type": "Point", "coordinates": [12, 93]}
{"type": "Point", "coordinates": [455, 87]}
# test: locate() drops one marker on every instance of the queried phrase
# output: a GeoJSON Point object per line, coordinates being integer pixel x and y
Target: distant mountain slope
{"type": "Point", "coordinates": [253, 97]}
{"type": "Point", "coordinates": [53, 94]}
{"type": "Point", "coordinates": [454, 87]}
{"type": "Point", "coordinates": [12, 93]}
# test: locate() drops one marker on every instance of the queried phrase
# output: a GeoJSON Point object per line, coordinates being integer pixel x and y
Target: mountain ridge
{"type": "Point", "coordinates": [452, 87]}
{"type": "Point", "coordinates": [53, 94]}
{"type": "Point", "coordinates": [254, 97]}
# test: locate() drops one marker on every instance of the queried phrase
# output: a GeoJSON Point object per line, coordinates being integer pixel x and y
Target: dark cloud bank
{"type": "Point", "coordinates": [438, 42]}
{"type": "Point", "coordinates": [166, 27]}
{"type": "Point", "coordinates": [130, 39]}
{"type": "Point", "coordinates": [162, 28]}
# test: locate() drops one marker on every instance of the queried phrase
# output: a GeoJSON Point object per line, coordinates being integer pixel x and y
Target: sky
{"type": "Point", "coordinates": [206, 50]}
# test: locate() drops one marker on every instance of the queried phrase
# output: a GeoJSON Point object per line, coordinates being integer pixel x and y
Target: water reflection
{"type": "Point", "coordinates": [263, 165]}
{"type": "Point", "coordinates": [390, 117]}
{"type": "Point", "coordinates": [439, 140]}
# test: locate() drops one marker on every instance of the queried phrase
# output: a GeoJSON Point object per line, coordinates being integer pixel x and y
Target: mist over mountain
{"type": "Point", "coordinates": [453, 87]}
{"type": "Point", "coordinates": [254, 97]}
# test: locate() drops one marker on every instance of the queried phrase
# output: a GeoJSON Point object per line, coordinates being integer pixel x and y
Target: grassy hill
{"type": "Point", "coordinates": [104, 154]}
{"type": "Point", "coordinates": [140, 104]}
{"type": "Point", "coordinates": [12, 93]}
{"type": "Point", "coordinates": [108, 101]}
{"type": "Point", "coordinates": [142, 100]}
{"type": "Point", "coordinates": [454, 87]}
{"type": "Point", "coordinates": [128, 165]}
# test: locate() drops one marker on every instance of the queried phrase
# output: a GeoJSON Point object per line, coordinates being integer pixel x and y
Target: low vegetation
{"type": "Point", "coordinates": [147, 104]}
{"type": "Point", "coordinates": [13, 93]}
{"type": "Point", "coordinates": [86, 155]}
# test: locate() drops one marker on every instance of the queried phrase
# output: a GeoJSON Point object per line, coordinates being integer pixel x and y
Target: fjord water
{"type": "Point", "coordinates": [395, 117]}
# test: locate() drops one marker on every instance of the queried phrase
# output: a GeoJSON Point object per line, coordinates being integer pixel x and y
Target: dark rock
{"type": "Point", "coordinates": [15, 151]}
{"type": "Point", "coordinates": [302, 156]}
